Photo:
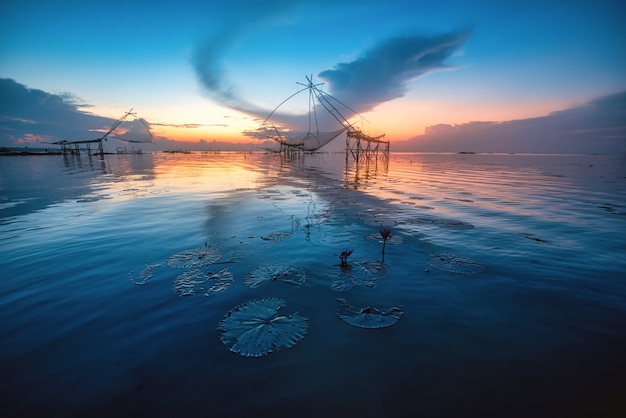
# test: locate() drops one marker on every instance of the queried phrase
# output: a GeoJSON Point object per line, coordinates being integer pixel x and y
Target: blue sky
{"type": "Point", "coordinates": [405, 65]}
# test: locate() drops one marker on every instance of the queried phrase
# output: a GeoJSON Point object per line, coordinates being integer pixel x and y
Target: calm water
{"type": "Point", "coordinates": [91, 323]}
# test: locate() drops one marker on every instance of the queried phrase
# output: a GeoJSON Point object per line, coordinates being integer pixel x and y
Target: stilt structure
{"type": "Point", "coordinates": [358, 144]}
{"type": "Point", "coordinates": [76, 147]}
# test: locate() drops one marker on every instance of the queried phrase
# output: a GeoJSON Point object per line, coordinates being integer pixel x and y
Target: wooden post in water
{"type": "Point", "coordinates": [360, 145]}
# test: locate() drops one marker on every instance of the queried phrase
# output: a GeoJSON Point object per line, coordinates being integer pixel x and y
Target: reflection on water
{"type": "Point", "coordinates": [508, 271]}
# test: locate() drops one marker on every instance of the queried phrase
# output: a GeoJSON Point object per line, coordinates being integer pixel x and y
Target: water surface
{"type": "Point", "coordinates": [91, 322]}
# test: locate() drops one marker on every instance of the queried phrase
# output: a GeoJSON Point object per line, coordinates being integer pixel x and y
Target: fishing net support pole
{"type": "Point", "coordinates": [360, 146]}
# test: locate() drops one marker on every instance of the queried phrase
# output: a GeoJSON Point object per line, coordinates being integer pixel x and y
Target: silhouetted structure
{"type": "Point", "coordinates": [358, 144]}
{"type": "Point", "coordinates": [76, 147]}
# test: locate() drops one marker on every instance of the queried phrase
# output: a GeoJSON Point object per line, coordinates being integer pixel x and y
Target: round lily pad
{"type": "Point", "coordinates": [277, 236]}
{"type": "Point", "coordinates": [455, 263]}
{"type": "Point", "coordinates": [369, 316]}
{"type": "Point", "coordinates": [197, 281]}
{"type": "Point", "coordinates": [257, 328]}
{"type": "Point", "coordinates": [360, 272]}
{"type": "Point", "coordinates": [144, 276]}
{"type": "Point", "coordinates": [194, 257]}
{"type": "Point", "coordinates": [369, 269]}
{"type": "Point", "coordinates": [273, 272]}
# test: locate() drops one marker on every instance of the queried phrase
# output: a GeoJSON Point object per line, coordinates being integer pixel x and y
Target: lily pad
{"type": "Point", "coordinates": [257, 328]}
{"type": "Point", "coordinates": [276, 237]}
{"type": "Point", "coordinates": [198, 281]}
{"type": "Point", "coordinates": [456, 263]}
{"type": "Point", "coordinates": [369, 269]}
{"type": "Point", "coordinates": [369, 316]}
{"type": "Point", "coordinates": [342, 283]}
{"type": "Point", "coordinates": [194, 257]}
{"type": "Point", "coordinates": [272, 272]}
{"type": "Point", "coordinates": [360, 272]}
{"type": "Point", "coordinates": [219, 281]}
{"type": "Point", "coordinates": [345, 280]}
{"type": "Point", "coordinates": [144, 276]}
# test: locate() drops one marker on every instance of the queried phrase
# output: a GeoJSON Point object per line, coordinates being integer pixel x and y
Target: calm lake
{"type": "Point", "coordinates": [505, 274]}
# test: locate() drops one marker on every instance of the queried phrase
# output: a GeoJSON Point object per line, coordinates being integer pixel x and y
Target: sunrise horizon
{"type": "Point", "coordinates": [426, 76]}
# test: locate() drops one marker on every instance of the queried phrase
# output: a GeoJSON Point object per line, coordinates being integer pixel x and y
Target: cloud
{"type": "Point", "coordinates": [382, 73]}
{"type": "Point", "coordinates": [598, 126]}
{"type": "Point", "coordinates": [188, 125]}
{"type": "Point", "coordinates": [34, 116]}
{"type": "Point", "coordinates": [378, 75]}
{"type": "Point", "coordinates": [236, 21]}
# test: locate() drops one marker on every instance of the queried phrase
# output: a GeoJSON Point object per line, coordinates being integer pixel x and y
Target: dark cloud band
{"type": "Point", "coordinates": [382, 73]}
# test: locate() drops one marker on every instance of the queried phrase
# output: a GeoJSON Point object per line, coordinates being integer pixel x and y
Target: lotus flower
{"type": "Point", "coordinates": [386, 234]}
{"type": "Point", "coordinates": [344, 257]}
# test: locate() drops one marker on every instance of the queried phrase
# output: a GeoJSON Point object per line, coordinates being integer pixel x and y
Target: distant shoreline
{"type": "Point", "coordinates": [4, 151]}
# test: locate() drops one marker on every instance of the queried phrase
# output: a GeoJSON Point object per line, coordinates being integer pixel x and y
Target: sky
{"type": "Point", "coordinates": [424, 73]}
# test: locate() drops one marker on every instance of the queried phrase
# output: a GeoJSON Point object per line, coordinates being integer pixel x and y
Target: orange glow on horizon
{"type": "Point", "coordinates": [403, 119]}
{"type": "Point", "coordinates": [201, 133]}
{"type": "Point", "coordinates": [399, 119]}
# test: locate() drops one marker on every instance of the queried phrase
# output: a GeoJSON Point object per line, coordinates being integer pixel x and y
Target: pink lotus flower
{"type": "Point", "coordinates": [344, 257]}
{"type": "Point", "coordinates": [386, 234]}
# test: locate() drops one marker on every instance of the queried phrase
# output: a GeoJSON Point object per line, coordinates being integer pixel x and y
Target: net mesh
{"type": "Point", "coordinates": [310, 141]}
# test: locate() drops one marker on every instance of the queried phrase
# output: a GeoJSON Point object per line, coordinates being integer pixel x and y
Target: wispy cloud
{"type": "Point", "coordinates": [378, 75]}
{"type": "Point", "coordinates": [188, 125]}
{"type": "Point", "coordinates": [238, 19]}
{"type": "Point", "coordinates": [383, 73]}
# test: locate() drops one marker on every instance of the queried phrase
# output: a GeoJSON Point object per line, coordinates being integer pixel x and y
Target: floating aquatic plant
{"type": "Point", "coordinates": [219, 281]}
{"type": "Point", "coordinates": [363, 272]}
{"type": "Point", "coordinates": [276, 237]}
{"type": "Point", "coordinates": [273, 272]}
{"type": "Point", "coordinates": [369, 316]}
{"type": "Point", "coordinates": [343, 283]}
{"type": "Point", "coordinates": [197, 281]}
{"type": "Point", "coordinates": [369, 269]}
{"type": "Point", "coordinates": [144, 276]}
{"type": "Point", "coordinates": [386, 234]}
{"type": "Point", "coordinates": [257, 328]}
{"type": "Point", "coordinates": [194, 257]}
{"type": "Point", "coordinates": [455, 263]}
